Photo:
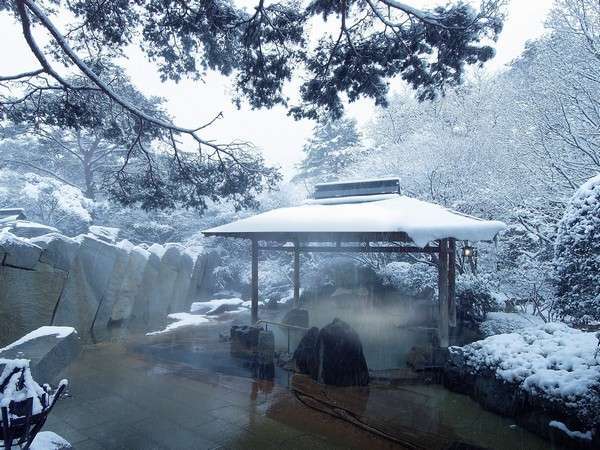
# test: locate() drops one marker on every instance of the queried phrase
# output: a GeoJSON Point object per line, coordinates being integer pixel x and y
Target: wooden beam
{"type": "Point", "coordinates": [296, 274]}
{"type": "Point", "coordinates": [443, 319]}
{"type": "Point", "coordinates": [254, 307]}
{"type": "Point", "coordinates": [318, 236]}
{"type": "Point", "coordinates": [350, 249]}
{"type": "Point", "coordinates": [452, 282]}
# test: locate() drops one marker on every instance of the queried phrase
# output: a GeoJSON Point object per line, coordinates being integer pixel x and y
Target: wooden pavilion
{"type": "Point", "coordinates": [361, 217]}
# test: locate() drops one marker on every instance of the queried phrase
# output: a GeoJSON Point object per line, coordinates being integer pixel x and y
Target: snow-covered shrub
{"type": "Point", "coordinates": [47, 200]}
{"type": "Point", "coordinates": [152, 231]}
{"type": "Point", "coordinates": [474, 298]}
{"type": "Point", "coordinates": [416, 280]}
{"type": "Point", "coordinates": [577, 255]}
{"type": "Point", "coordinates": [552, 361]}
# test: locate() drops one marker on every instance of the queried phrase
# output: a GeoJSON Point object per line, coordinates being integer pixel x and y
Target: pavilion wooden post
{"type": "Point", "coordinates": [452, 281]}
{"type": "Point", "coordinates": [443, 297]}
{"type": "Point", "coordinates": [296, 273]}
{"type": "Point", "coordinates": [254, 307]}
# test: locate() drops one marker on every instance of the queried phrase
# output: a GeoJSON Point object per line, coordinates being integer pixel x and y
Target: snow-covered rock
{"type": "Point", "coordinates": [87, 282]}
{"type": "Point", "coordinates": [107, 234]}
{"type": "Point", "coordinates": [181, 320]}
{"type": "Point", "coordinates": [48, 349]}
{"type": "Point", "coordinates": [538, 374]}
{"type": "Point", "coordinates": [217, 306]}
{"type": "Point", "coordinates": [131, 285]}
{"type": "Point", "coordinates": [28, 229]}
{"type": "Point", "coordinates": [48, 440]}
{"type": "Point", "coordinates": [18, 252]}
{"type": "Point", "coordinates": [58, 251]}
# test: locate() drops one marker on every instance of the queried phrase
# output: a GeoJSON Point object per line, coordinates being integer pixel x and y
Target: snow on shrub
{"type": "Point", "coordinates": [474, 298]}
{"type": "Point", "coordinates": [47, 200]}
{"type": "Point", "coordinates": [550, 360]}
{"type": "Point", "coordinates": [577, 255]}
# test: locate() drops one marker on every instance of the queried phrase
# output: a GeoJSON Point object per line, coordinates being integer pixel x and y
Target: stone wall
{"type": "Point", "coordinates": [96, 286]}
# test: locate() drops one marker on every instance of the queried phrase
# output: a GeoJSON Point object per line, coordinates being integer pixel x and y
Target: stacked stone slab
{"type": "Point", "coordinates": [132, 284]}
{"type": "Point", "coordinates": [93, 285]}
{"type": "Point", "coordinates": [49, 352]}
{"type": "Point", "coordinates": [86, 285]}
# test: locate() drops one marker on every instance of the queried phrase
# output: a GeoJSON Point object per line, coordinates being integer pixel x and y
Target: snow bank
{"type": "Point", "coordinates": [47, 440]}
{"type": "Point", "coordinates": [59, 332]}
{"type": "Point", "coordinates": [552, 360]}
{"type": "Point", "coordinates": [422, 221]}
{"type": "Point", "coordinates": [181, 320]}
{"type": "Point", "coordinates": [212, 306]}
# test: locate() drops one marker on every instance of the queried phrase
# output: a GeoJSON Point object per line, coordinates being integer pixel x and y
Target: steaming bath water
{"type": "Point", "coordinates": [184, 391]}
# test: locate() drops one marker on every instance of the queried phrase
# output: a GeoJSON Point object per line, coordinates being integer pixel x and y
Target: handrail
{"type": "Point", "coordinates": [283, 325]}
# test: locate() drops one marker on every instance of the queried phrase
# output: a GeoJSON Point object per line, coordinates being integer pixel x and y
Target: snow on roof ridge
{"type": "Point", "coordinates": [349, 199]}
{"type": "Point", "coordinates": [359, 180]}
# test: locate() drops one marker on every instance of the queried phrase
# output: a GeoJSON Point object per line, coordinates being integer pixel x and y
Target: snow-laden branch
{"type": "Point", "coordinates": [20, 76]}
{"type": "Point", "coordinates": [23, 5]}
{"type": "Point", "coordinates": [422, 15]}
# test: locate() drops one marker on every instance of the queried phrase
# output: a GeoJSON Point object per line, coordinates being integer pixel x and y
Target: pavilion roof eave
{"type": "Point", "coordinates": [316, 236]}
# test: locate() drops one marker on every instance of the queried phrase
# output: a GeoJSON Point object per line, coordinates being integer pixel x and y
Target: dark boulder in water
{"type": "Point", "coordinates": [340, 352]}
{"type": "Point", "coordinates": [306, 354]}
{"type": "Point", "coordinates": [333, 356]}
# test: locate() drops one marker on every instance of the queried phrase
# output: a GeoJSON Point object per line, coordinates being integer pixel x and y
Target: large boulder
{"type": "Point", "coordinates": [49, 349]}
{"type": "Point", "coordinates": [86, 285]}
{"type": "Point", "coordinates": [27, 229]}
{"type": "Point", "coordinates": [161, 294]}
{"type": "Point", "coordinates": [27, 300]}
{"type": "Point", "coordinates": [131, 284]}
{"type": "Point", "coordinates": [113, 288]}
{"type": "Point", "coordinates": [140, 313]}
{"type": "Point", "coordinates": [106, 234]}
{"type": "Point", "coordinates": [185, 267]}
{"type": "Point", "coordinates": [333, 355]}
{"type": "Point", "coordinates": [342, 362]}
{"type": "Point", "coordinates": [306, 354]}
{"type": "Point", "coordinates": [18, 252]}
{"type": "Point", "coordinates": [203, 283]}
{"type": "Point", "coordinates": [58, 251]}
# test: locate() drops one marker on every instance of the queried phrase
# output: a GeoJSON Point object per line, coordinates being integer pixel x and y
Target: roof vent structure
{"type": "Point", "coordinates": [340, 189]}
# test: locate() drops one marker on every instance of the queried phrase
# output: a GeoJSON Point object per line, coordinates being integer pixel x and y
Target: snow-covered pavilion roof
{"type": "Point", "coordinates": [371, 215]}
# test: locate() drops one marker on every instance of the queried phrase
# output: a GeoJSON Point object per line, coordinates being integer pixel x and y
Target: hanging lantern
{"type": "Point", "coordinates": [469, 251]}
{"type": "Point", "coordinates": [469, 255]}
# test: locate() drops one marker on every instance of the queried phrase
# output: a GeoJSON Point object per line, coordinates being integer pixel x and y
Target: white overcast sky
{"type": "Point", "coordinates": [279, 137]}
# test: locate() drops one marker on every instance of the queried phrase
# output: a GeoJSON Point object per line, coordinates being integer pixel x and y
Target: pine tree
{"type": "Point", "coordinates": [333, 147]}
{"type": "Point", "coordinates": [577, 255]}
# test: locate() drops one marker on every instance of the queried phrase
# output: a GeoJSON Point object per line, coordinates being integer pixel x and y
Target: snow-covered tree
{"type": "Point", "coordinates": [577, 254]}
{"type": "Point", "coordinates": [333, 147]}
{"type": "Point", "coordinates": [47, 200]}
